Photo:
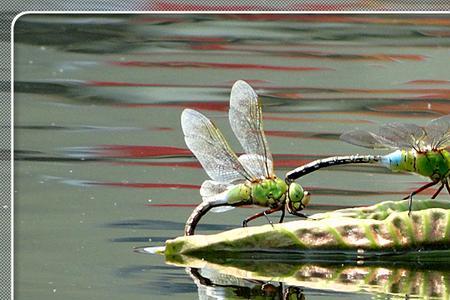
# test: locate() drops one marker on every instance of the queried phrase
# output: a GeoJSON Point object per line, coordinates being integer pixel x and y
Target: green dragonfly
{"type": "Point", "coordinates": [420, 150]}
{"type": "Point", "coordinates": [236, 181]}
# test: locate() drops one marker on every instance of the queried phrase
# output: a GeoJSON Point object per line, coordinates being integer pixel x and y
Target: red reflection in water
{"type": "Point", "coordinates": [139, 151]}
{"type": "Point", "coordinates": [308, 54]}
{"type": "Point", "coordinates": [293, 134]}
{"type": "Point", "coordinates": [435, 96]}
{"type": "Point", "coordinates": [437, 33]}
{"type": "Point", "coordinates": [417, 91]}
{"type": "Point", "coordinates": [399, 110]}
{"type": "Point", "coordinates": [388, 110]}
{"type": "Point", "coordinates": [147, 185]}
{"type": "Point", "coordinates": [369, 19]}
{"type": "Point", "coordinates": [124, 151]}
{"type": "Point", "coordinates": [194, 165]}
{"type": "Point", "coordinates": [314, 120]}
{"type": "Point", "coordinates": [162, 128]}
{"type": "Point", "coordinates": [194, 64]}
{"type": "Point", "coordinates": [288, 95]}
{"type": "Point", "coordinates": [419, 106]}
{"type": "Point", "coordinates": [280, 163]}
{"type": "Point", "coordinates": [211, 106]}
{"type": "Point", "coordinates": [388, 113]}
{"type": "Point", "coordinates": [301, 134]}
{"type": "Point", "coordinates": [291, 163]}
{"type": "Point", "coordinates": [395, 91]}
{"type": "Point", "coordinates": [427, 81]}
{"type": "Point", "coordinates": [207, 39]}
{"type": "Point", "coordinates": [219, 47]}
{"type": "Point", "coordinates": [120, 83]}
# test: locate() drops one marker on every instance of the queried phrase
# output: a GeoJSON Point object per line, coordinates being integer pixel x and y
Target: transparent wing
{"type": "Point", "coordinates": [391, 135]}
{"type": "Point", "coordinates": [438, 132]}
{"type": "Point", "coordinates": [245, 116]}
{"type": "Point", "coordinates": [220, 209]}
{"type": "Point", "coordinates": [211, 190]}
{"type": "Point", "coordinates": [364, 139]}
{"type": "Point", "coordinates": [212, 151]}
{"type": "Point", "coordinates": [403, 135]}
{"type": "Point", "coordinates": [248, 161]}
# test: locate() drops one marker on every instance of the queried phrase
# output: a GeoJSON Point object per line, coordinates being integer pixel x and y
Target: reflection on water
{"type": "Point", "coordinates": [101, 164]}
{"type": "Point", "coordinates": [222, 286]}
{"type": "Point", "coordinates": [286, 278]}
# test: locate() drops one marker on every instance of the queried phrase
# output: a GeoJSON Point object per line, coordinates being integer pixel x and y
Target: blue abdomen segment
{"type": "Point", "coordinates": [393, 160]}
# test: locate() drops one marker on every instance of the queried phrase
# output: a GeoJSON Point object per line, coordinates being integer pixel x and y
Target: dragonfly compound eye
{"type": "Point", "coordinates": [296, 197]}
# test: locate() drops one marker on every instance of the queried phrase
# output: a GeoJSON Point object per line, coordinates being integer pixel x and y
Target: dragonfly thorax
{"type": "Point", "coordinates": [268, 192]}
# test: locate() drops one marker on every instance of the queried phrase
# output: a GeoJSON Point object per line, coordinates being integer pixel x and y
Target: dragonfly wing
{"type": "Point", "coordinates": [245, 116]}
{"type": "Point", "coordinates": [248, 161]}
{"type": "Point", "coordinates": [438, 132]}
{"type": "Point", "coordinates": [389, 136]}
{"type": "Point", "coordinates": [212, 191]}
{"type": "Point", "coordinates": [211, 149]}
{"type": "Point", "coordinates": [365, 139]}
{"type": "Point", "coordinates": [403, 135]}
{"type": "Point", "coordinates": [211, 188]}
{"type": "Point", "coordinates": [221, 209]}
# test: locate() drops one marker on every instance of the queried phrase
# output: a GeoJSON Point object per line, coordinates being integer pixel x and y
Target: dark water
{"type": "Point", "coordinates": [101, 165]}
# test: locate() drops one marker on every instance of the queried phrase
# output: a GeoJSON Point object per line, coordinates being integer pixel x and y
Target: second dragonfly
{"type": "Point", "coordinates": [421, 150]}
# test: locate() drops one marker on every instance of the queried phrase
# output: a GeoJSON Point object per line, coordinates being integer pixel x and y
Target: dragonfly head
{"type": "Point", "coordinates": [297, 199]}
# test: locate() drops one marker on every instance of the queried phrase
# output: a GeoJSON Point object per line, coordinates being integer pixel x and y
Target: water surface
{"type": "Point", "coordinates": [100, 162]}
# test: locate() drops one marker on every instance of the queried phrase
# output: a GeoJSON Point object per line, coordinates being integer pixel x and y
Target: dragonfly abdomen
{"type": "Point", "coordinates": [329, 162]}
{"type": "Point", "coordinates": [239, 195]}
{"type": "Point", "coordinates": [400, 160]}
{"type": "Point", "coordinates": [199, 212]}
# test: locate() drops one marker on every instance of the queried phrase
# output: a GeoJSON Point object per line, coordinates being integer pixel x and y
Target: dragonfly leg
{"type": "Point", "coordinates": [410, 196]}
{"type": "Point", "coordinates": [263, 213]}
{"type": "Point", "coordinates": [438, 191]}
{"type": "Point", "coordinates": [299, 214]}
{"type": "Point", "coordinates": [267, 218]}
{"type": "Point", "coordinates": [283, 212]}
{"type": "Point", "coordinates": [447, 187]}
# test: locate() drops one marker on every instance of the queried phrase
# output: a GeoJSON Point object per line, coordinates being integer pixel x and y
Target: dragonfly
{"type": "Point", "coordinates": [245, 180]}
{"type": "Point", "coordinates": [417, 149]}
